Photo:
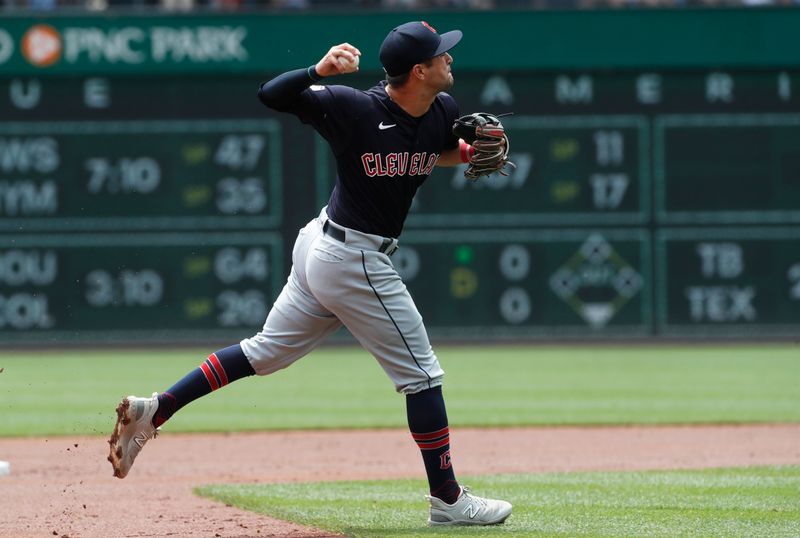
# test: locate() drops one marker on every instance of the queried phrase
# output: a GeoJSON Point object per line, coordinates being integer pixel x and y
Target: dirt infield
{"type": "Point", "coordinates": [64, 486]}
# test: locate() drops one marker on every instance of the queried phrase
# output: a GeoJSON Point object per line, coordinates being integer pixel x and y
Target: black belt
{"type": "Point", "coordinates": [333, 231]}
{"type": "Point", "coordinates": [339, 234]}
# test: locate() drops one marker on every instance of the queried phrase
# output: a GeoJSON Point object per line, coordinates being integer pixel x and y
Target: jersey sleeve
{"type": "Point", "coordinates": [282, 90]}
{"type": "Point", "coordinates": [451, 114]}
{"type": "Point", "coordinates": [331, 110]}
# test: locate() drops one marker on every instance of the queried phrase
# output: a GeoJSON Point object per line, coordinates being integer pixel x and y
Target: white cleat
{"type": "Point", "coordinates": [468, 510]}
{"type": "Point", "coordinates": [133, 429]}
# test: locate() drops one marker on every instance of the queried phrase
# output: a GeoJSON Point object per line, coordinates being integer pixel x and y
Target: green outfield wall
{"type": "Point", "coordinates": [147, 196]}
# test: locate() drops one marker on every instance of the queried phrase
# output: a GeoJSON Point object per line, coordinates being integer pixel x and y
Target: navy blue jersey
{"type": "Point", "coordinates": [383, 154]}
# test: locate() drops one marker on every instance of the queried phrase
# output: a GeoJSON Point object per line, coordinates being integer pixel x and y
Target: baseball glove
{"type": "Point", "coordinates": [485, 133]}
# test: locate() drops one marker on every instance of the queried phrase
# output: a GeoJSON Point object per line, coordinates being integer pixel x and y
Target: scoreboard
{"type": "Point", "coordinates": [105, 175]}
{"type": "Point", "coordinates": [171, 287]}
{"type": "Point", "coordinates": [158, 207]}
{"type": "Point", "coordinates": [529, 283]}
{"type": "Point", "coordinates": [720, 280]}
{"type": "Point", "coordinates": [585, 177]}
{"type": "Point", "coordinates": [749, 173]}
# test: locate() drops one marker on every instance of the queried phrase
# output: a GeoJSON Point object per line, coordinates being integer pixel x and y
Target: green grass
{"type": "Point", "coordinates": [75, 392]}
{"type": "Point", "coordinates": [748, 502]}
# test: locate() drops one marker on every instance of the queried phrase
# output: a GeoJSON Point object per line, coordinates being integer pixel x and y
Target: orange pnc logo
{"type": "Point", "coordinates": [41, 45]}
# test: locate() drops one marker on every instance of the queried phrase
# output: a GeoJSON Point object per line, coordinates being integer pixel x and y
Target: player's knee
{"type": "Point", "coordinates": [266, 356]}
{"type": "Point", "coordinates": [419, 386]}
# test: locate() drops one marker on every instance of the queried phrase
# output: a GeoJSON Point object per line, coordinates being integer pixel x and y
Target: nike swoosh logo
{"type": "Point", "coordinates": [383, 127]}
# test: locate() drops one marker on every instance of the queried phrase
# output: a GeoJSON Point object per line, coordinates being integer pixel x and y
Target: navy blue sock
{"type": "Point", "coordinates": [218, 370]}
{"type": "Point", "coordinates": [427, 420]}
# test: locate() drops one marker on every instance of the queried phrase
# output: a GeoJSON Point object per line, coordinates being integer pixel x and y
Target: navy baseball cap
{"type": "Point", "coordinates": [412, 43]}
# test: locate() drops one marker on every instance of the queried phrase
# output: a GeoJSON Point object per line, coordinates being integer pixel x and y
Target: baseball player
{"type": "Point", "coordinates": [386, 141]}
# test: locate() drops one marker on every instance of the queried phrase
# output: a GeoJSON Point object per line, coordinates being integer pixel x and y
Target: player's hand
{"type": "Point", "coordinates": [340, 59]}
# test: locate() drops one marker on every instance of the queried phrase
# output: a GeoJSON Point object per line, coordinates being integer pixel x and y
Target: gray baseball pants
{"type": "Point", "coordinates": [333, 283]}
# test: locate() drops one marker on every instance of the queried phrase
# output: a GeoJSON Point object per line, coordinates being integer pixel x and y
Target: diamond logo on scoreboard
{"type": "Point", "coordinates": [596, 281]}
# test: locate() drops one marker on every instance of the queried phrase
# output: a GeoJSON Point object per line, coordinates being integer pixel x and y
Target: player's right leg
{"type": "Point", "coordinates": [133, 429]}
{"type": "Point", "coordinates": [296, 324]}
{"type": "Point", "coordinates": [138, 419]}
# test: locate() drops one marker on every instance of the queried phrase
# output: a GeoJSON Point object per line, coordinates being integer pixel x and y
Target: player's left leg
{"type": "Point", "coordinates": [427, 420]}
{"type": "Point", "coordinates": [373, 302]}
{"type": "Point", "coordinates": [415, 371]}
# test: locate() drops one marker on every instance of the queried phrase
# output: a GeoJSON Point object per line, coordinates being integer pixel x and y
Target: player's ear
{"type": "Point", "coordinates": [418, 71]}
